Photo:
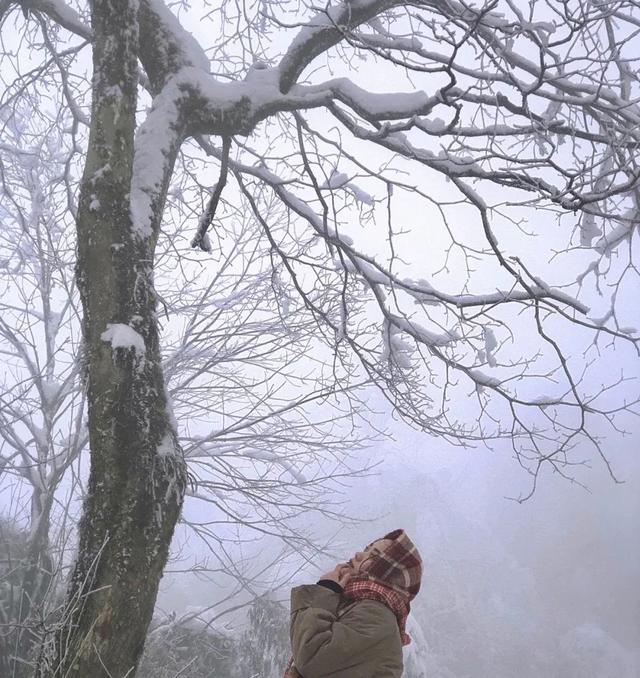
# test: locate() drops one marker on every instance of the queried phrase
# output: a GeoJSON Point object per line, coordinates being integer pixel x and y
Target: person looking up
{"type": "Point", "coordinates": [351, 624]}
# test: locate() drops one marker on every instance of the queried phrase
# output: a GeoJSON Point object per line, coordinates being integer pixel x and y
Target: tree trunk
{"type": "Point", "coordinates": [137, 475]}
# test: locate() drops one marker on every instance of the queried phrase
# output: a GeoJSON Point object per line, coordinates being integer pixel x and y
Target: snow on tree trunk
{"type": "Point", "coordinates": [135, 489]}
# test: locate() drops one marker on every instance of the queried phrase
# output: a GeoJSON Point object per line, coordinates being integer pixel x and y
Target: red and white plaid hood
{"type": "Point", "coordinates": [399, 566]}
{"type": "Point", "coordinates": [392, 576]}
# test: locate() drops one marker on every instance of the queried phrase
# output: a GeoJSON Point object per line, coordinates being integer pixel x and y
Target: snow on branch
{"type": "Point", "coordinates": [375, 274]}
{"type": "Point", "coordinates": [326, 29]}
{"type": "Point", "coordinates": [370, 105]}
{"type": "Point", "coordinates": [62, 14]}
{"type": "Point", "coordinates": [179, 38]}
{"type": "Point", "coordinates": [339, 180]}
{"type": "Point", "coordinates": [422, 334]}
{"type": "Point", "coordinates": [155, 145]}
{"type": "Point", "coordinates": [621, 233]}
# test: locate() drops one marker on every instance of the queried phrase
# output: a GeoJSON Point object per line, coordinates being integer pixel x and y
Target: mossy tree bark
{"type": "Point", "coordinates": [137, 473]}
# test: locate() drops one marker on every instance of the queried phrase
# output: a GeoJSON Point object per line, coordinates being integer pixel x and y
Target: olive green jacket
{"type": "Point", "coordinates": [335, 638]}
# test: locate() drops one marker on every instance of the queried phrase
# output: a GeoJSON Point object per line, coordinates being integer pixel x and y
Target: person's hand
{"type": "Point", "coordinates": [340, 574]}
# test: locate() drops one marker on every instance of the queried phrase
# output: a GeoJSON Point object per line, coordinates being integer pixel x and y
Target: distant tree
{"type": "Point", "coordinates": [42, 401]}
{"type": "Point", "coordinates": [12, 552]}
{"type": "Point", "coordinates": [525, 124]}
{"type": "Point", "coordinates": [29, 594]}
{"type": "Point", "coordinates": [265, 648]}
{"type": "Point", "coordinates": [588, 650]}
{"type": "Point", "coordinates": [188, 650]}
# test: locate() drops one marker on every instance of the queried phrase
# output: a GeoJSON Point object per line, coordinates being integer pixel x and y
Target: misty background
{"type": "Point", "coordinates": [545, 587]}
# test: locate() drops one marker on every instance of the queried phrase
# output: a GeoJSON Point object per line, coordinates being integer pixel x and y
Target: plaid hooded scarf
{"type": "Point", "coordinates": [391, 576]}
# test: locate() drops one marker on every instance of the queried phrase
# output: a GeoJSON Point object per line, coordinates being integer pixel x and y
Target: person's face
{"type": "Point", "coordinates": [358, 561]}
